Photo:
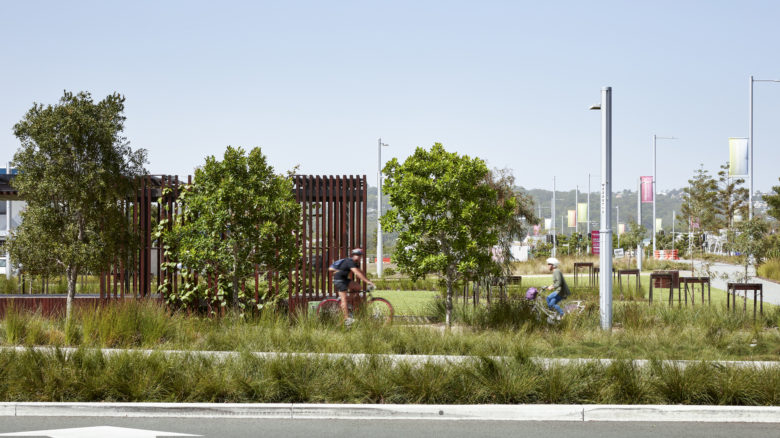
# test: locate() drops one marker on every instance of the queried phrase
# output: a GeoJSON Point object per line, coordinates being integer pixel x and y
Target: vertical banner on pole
{"type": "Point", "coordinates": [547, 223]}
{"type": "Point", "coordinates": [658, 222]}
{"type": "Point", "coordinates": [738, 157]}
{"type": "Point", "coordinates": [647, 189]}
{"type": "Point", "coordinates": [594, 236]}
{"type": "Point", "coordinates": [582, 212]}
{"type": "Point", "coordinates": [536, 230]}
{"type": "Point", "coordinates": [621, 228]}
{"type": "Point", "coordinates": [572, 218]}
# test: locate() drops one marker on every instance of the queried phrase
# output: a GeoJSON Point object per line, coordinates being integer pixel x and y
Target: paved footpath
{"type": "Point", "coordinates": [771, 289]}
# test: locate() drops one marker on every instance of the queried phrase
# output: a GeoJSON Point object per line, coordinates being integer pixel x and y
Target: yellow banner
{"type": "Point", "coordinates": [582, 212]}
{"type": "Point", "coordinates": [621, 228]}
{"type": "Point", "coordinates": [658, 224]}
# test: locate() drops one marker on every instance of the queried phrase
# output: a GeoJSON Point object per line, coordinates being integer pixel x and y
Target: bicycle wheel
{"type": "Point", "coordinates": [329, 310]}
{"type": "Point", "coordinates": [380, 310]}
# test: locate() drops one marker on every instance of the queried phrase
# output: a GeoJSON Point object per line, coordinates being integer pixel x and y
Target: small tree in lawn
{"type": "Point", "coordinates": [633, 237]}
{"type": "Point", "coordinates": [447, 215]}
{"type": "Point", "coordinates": [773, 201]}
{"type": "Point", "coordinates": [748, 238]}
{"type": "Point", "coordinates": [75, 169]}
{"type": "Point", "coordinates": [237, 214]}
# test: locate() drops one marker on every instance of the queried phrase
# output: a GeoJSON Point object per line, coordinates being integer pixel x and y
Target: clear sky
{"type": "Point", "coordinates": [316, 83]}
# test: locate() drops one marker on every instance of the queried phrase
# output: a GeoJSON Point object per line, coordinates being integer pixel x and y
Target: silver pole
{"type": "Point", "coordinates": [617, 223]}
{"type": "Point", "coordinates": [576, 209]}
{"type": "Point", "coordinates": [552, 218]}
{"type": "Point", "coordinates": [674, 219]}
{"type": "Point", "coordinates": [379, 256]}
{"type": "Point", "coordinates": [654, 175]}
{"type": "Point", "coordinates": [8, 214]}
{"type": "Point", "coordinates": [750, 151]}
{"type": "Point", "coordinates": [605, 234]}
{"type": "Point", "coordinates": [590, 250]}
{"type": "Point", "coordinates": [639, 223]}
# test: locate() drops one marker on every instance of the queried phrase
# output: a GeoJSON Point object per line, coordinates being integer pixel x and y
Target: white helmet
{"type": "Point", "coordinates": [553, 261]}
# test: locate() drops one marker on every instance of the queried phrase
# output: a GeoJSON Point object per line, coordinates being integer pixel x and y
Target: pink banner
{"type": "Point", "coordinates": [647, 188]}
{"type": "Point", "coordinates": [536, 230]}
{"type": "Point", "coordinates": [596, 242]}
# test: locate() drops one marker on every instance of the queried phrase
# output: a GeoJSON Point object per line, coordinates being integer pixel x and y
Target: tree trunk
{"type": "Point", "coordinates": [72, 274]}
{"type": "Point", "coordinates": [235, 282]}
{"type": "Point", "coordinates": [448, 303]}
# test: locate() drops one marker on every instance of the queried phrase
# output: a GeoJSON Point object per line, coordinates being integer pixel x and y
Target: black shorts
{"type": "Point", "coordinates": [341, 285]}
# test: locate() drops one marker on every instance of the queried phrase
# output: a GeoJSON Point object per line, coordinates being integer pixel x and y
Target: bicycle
{"type": "Point", "coordinates": [376, 308]}
{"type": "Point", "coordinates": [541, 309]}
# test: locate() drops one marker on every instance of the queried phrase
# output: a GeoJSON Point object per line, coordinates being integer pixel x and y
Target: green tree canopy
{"type": "Point", "coordinates": [75, 169]}
{"type": "Point", "coordinates": [700, 199]}
{"type": "Point", "coordinates": [448, 214]}
{"type": "Point", "coordinates": [237, 214]}
{"type": "Point", "coordinates": [732, 197]}
{"type": "Point", "coordinates": [773, 200]}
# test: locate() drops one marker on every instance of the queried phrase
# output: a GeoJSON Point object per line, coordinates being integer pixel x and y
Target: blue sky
{"type": "Point", "coordinates": [315, 83]}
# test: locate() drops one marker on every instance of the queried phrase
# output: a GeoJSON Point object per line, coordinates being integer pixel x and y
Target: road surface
{"type": "Point", "coordinates": [227, 428]}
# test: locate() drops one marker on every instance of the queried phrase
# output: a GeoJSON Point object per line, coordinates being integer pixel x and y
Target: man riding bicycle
{"type": "Point", "coordinates": [341, 281]}
{"type": "Point", "coordinates": [559, 287]}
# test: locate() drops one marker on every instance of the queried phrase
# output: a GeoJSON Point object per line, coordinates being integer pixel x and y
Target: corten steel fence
{"type": "Point", "coordinates": [333, 221]}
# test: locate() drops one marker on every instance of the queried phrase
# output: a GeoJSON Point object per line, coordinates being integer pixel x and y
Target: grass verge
{"type": "Point", "coordinates": [86, 376]}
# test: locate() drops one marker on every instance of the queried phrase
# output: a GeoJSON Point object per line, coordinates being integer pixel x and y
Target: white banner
{"type": "Point", "coordinates": [738, 157]}
{"type": "Point", "coordinates": [547, 224]}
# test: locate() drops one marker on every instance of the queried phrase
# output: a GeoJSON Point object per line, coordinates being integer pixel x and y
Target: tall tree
{"type": "Point", "coordinates": [732, 197]}
{"type": "Point", "coordinates": [700, 200]}
{"type": "Point", "coordinates": [75, 169]}
{"type": "Point", "coordinates": [237, 214]}
{"type": "Point", "coordinates": [773, 200]}
{"type": "Point", "coordinates": [447, 214]}
{"type": "Point", "coordinates": [748, 239]}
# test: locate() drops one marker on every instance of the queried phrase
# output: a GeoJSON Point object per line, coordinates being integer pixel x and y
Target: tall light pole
{"type": "Point", "coordinates": [379, 208]}
{"type": "Point", "coordinates": [750, 141]}
{"type": "Point", "coordinates": [617, 222]}
{"type": "Point", "coordinates": [552, 218]}
{"type": "Point", "coordinates": [605, 233]}
{"type": "Point", "coordinates": [587, 218]}
{"type": "Point", "coordinates": [655, 138]}
{"type": "Point", "coordinates": [576, 209]}
{"type": "Point", "coordinates": [639, 223]}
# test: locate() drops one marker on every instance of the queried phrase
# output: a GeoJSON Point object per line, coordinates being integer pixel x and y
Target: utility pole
{"type": "Point", "coordinates": [605, 233]}
{"type": "Point", "coordinates": [379, 256]}
{"type": "Point", "coordinates": [552, 218]}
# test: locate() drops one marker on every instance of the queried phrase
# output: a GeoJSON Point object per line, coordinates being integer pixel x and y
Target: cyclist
{"type": "Point", "coordinates": [341, 281]}
{"type": "Point", "coordinates": [559, 287]}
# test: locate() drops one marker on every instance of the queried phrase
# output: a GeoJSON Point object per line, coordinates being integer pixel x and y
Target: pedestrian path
{"type": "Point", "coordinates": [412, 359]}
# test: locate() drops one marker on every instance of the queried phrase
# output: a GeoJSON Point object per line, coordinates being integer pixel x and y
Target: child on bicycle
{"type": "Point", "coordinates": [341, 281]}
{"type": "Point", "coordinates": [559, 287]}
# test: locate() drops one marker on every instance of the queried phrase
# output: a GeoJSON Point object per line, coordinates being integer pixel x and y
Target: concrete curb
{"type": "Point", "coordinates": [412, 359]}
{"type": "Point", "coordinates": [604, 413]}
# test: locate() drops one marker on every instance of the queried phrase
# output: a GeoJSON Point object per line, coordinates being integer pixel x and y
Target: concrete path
{"type": "Point", "coordinates": [771, 290]}
{"type": "Point", "coordinates": [413, 359]}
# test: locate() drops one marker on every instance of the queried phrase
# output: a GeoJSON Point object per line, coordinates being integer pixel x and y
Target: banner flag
{"type": "Point", "coordinates": [621, 228]}
{"type": "Point", "coordinates": [547, 223]}
{"type": "Point", "coordinates": [582, 212]}
{"type": "Point", "coordinates": [572, 218]}
{"type": "Point", "coordinates": [647, 189]}
{"type": "Point", "coordinates": [536, 230]}
{"type": "Point", "coordinates": [738, 157]}
{"type": "Point", "coordinates": [658, 224]}
{"type": "Point", "coordinates": [694, 223]}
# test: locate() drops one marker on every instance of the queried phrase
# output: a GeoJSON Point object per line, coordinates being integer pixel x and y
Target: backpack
{"type": "Point", "coordinates": [336, 266]}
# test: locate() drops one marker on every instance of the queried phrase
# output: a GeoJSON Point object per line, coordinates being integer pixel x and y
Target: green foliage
{"type": "Point", "coordinates": [748, 239]}
{"type": "Point", "coordinates": [700, 200]}
{"type": "Point", "coordinates": [91, 376]}
{"type": "Point", "coordinates": [773, 201]}
{"type": "Point", "coordinates": [732, 198]}
{"type": "Point", "coordinates": [237, 215]}
{"type": "Point", "coordinates": [449, 214]}
{"type": "Point", "coordinates": [75, 169]}
{"type": "Point", "coordinates": [770, 269]}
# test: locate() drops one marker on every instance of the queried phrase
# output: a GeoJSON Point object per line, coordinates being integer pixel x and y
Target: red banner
{"type": "Point", "coordinates": [647, 188]}
{"type": "Point", "coordinates": [596, 242]}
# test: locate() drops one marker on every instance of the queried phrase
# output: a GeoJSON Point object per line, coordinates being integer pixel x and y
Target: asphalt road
{"type": "Point", "coordinates": [224, 428]}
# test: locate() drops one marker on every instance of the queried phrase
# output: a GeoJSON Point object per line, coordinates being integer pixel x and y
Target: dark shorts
{"type": "Point", "coordinates": [341, 286]}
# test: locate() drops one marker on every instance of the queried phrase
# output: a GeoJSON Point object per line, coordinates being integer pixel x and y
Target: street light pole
{"type": "Point", "coordinates": [379, 258]}
{"type": "Point", "coordinates": [552, 218]}
{"type": "Point", "coordinates": [617, 223]}
{"type": "Point", "coordinates": [639, 223]}
{"type": "Point", "coordinates": [750, 141]}
{"type": "Point", "coordinates": [655, 137]}
{"type": "Point", "coordinates": [605, 233]}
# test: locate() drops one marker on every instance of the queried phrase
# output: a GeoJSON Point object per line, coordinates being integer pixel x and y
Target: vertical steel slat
{"type": "Point", "coordinates": [364, 209]}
